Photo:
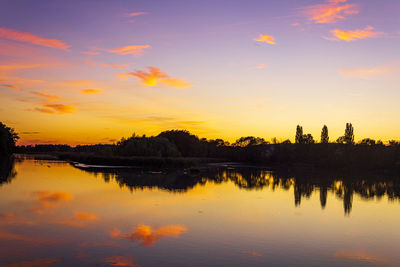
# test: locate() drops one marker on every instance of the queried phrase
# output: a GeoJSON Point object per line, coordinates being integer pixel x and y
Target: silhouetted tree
{"type": "Point", "coordinates": [394, 143]}
{"type": "Point", "coordinates": [349, 134]}
{"type": "Point", "coordinates": [340, 140]}
{"type": "Point", "coordinates": [8, 137]}
{"type": "Point", "coordinates": [324, 135]}
{"type": "Point", "coordinates": [146, 146]}
{"type": "Point", "coordinates": [308, 139]}
{"type": "Point", "coordinates": [367, 141]}
{"type": "Point", "coordinates": [249, 141]}
{"type": "Point", "coordinates": [189, 145]}
{"type": "Point", "coordinates": [299, 135]}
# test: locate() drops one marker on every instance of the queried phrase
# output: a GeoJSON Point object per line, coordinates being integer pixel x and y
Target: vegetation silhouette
{"type": "Point", "coordinates": [303, 183]}
{"type": "Point", "coordinates": [7, 171]}
{"type": "Point", "coordinates": [179, 148]}
{"type": "Point", "coordinates": [324, 135]}
{"type": "Point", "coordinates": [8, 137]}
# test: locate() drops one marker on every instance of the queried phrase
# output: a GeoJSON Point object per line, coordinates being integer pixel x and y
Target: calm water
{"type": "Point", "coordinates": [52, 214]}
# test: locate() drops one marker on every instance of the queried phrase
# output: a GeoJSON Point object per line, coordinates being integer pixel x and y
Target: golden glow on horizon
{"type": "Point", "coordinates": [103, 89]}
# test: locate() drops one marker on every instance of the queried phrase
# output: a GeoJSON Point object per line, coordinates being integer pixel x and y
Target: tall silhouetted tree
{"type": "Point", "coordinates": [324, 135]}
{"type": "Point", "coordinates": [349, 134]}
{"type": "Point", "coordinates": [299, 135]}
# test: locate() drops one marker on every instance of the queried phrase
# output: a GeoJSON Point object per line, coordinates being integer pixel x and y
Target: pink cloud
{"type": "Point", "coordinates": [33, 39]}
{"type": "Point", "coordinates": [135, 14]}
{"type": "Point", "coordinates": [135, 50]}
{"type": "Point", "coordinates": [331, 12]}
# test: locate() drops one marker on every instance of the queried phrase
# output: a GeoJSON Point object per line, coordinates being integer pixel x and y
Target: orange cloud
{"type": "Point", "coordinates": [80, 219]}
{"type": "Point", "coordinates": [147, 236]}
{"type": "Point", "coordinates": [91, 91]}
{"type": "Point", "coordinates": [85, 216]}
{"type": "Point", "coordinates": [7, 214]}
{"type": "Point", "coordinates": [362, 256]}
{"type": "Point", "coordinates": [135, 50]}
{"type": "Point", "coordinates": [14, 67]}
{"type": "Point", "coordinates": [46, 96]}
{"type": "Point", "coordinates": [50, 200]}
{"type": "Point", "coordinates": [355, 35]}
{"type": "Point", "coordinates": [12, 87]}
{"type": "Point", "coordinates": [331, 12]}
{"type": "Point", "coordinates": [135, 14]}
{"type": "Point", "coordinates": [265, 38]}
{"type": "Point", "coordinates": [120, 261]}
{"type": "Point", "coordinates": [56, 108]}
{"type": "Point", "coordinates": [156, 76]}
{"type": "Point", "coordinates": [33, 39]}
{"type": "Point", "coordinates": [34, 263]}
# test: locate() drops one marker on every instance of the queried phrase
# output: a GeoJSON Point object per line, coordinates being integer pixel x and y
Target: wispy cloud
{"type": "Point", "coordinates": [149, 236]}
{"type": "Point", "coordinates": [90, 91]}
{"type": "Point", "coordinates": [363, 256]}
{"type": "Point", "coordinates": [116, 66]}
{"type": "Point", "coordinates": [56, 108]}
{"type": "Point", "coordinates": [135, 50]}
{"type": "Point", "coordinates": [353, 35]}
{"type": "Point", "coordinates": [369, 73]}
{"type": "Point", "coordinates": [331, 12]}
{"type": "Point", "coordinates": [13, 67]}
{"type": "Point", "coordinates": [42, 94]}
{"type": "Point", "coordinates": [47, 262]}
{"type": "Point", "coordinates": [135, 14]}
{"type": "Point", "coordinates": [259, 67]}
{"type": "Point", "coordinates": [91, 53]}
{"type": "Point", "coordinates": [85, 216]}
{"type": "Point", "coordinates": [265, 38]}
{"type": "Point", "coordinates": [120, 261]}
{"type": "Point", "coordinates": [33, 39]}
{"type": "Point", "coordinates": [46, 96]}
{"type": "Point", "coordinates": [156, 76]}
{"type": "Point", "coordinates": [12, 87]}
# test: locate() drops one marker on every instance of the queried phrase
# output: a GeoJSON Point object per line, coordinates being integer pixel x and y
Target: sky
{"type": "Point", "coordinates": [85, 72]}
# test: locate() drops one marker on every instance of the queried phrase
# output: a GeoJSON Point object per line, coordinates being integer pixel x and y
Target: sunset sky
{"type": "Point", "coordinates": [83, 72]}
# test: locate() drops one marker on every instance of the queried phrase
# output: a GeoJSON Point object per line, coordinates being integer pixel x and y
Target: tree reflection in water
{"type": "Point", "coordinates": [303, 183]}
{"type": "Point", "coordinates": [7, 171]}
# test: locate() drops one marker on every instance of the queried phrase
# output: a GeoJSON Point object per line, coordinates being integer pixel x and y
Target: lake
{"type": "Point", "coordinates": [53, 214]}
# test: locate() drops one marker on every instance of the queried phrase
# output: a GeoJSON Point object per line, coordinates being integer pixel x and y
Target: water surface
{"type": "Point", "coordinates": [53, 214]}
